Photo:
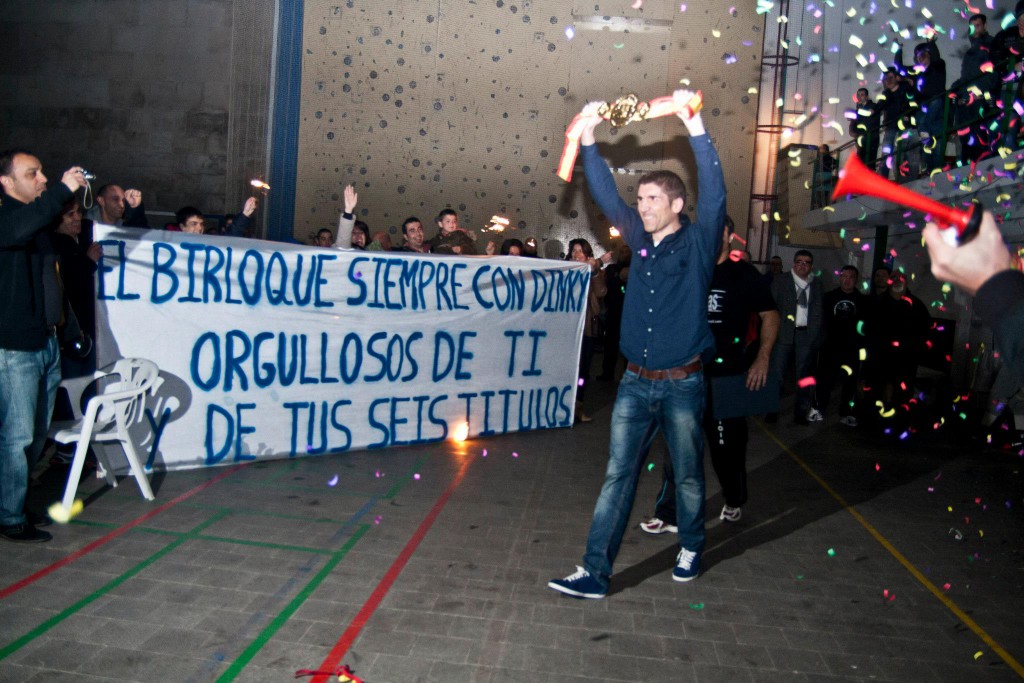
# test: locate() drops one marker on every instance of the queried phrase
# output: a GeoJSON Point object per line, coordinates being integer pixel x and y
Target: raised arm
{"type": "Point", "coordinates": [710, 180]}
{"type": "Point", "coordinates": [135, 212]}
{"type": "Point", "coordinates": [19, 227]}
{"type": "Point", "coordinates": [347, 219]}
{"type": "Point", "coordinates": [243, 218]}
{"type": "Point", "coordinates": [600, 181]}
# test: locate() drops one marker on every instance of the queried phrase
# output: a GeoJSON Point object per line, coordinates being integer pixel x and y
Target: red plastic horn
{"type": "Point", "coordinates": [856, 178]}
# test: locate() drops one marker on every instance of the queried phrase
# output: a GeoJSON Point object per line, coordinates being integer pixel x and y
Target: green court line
{"type": "Point", "coordinates": [257, 644]}
{"type": "Point", "coordinates": [393, 491]}
{"type": "Point", "coordinates": [42, 628]}
{"type": "Point", "coordinates": [264, 637]}
{"type": "Point", "coordinates": [267, 633]}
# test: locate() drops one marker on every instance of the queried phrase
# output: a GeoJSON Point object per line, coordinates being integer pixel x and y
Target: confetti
{"type": "Point", "coordinates": [570, 32]}
{"type": "Point", "coordinates": [697, 605]}
{"type": "Point", "coordinates": [416, 476]}
{"type": "Point", "coordinates": [484, 454]}
{"type": "Point", "coordinates": [333, 481]}
{"type": "Point", "coordinates": [831, 552]}
{"type": "Point", "coordinates": [805, 382]}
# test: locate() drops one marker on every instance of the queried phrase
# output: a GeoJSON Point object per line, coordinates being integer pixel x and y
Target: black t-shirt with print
{"type": "Point", "coordinates": [736, 296]}
{"type": "Point", "coordinates": [843, 312]}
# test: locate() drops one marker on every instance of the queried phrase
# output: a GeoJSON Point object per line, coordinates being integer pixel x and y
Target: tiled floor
{"type": "Point", "coordinates": [430, 564]}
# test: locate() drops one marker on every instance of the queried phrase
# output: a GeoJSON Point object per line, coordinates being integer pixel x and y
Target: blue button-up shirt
{"type": "Point", "coordinates": [664, 319]}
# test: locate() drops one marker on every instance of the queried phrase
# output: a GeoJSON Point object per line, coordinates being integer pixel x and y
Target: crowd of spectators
{"type": "Point", "coordinates": [905, 130]}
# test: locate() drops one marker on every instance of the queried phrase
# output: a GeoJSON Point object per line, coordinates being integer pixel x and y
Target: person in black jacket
{"type": "Point", "coordinates": [77, 264]}
{"type": "Point", "coordinates": [1007, 51]}
{"type": "Point", "coordinates": [929, 76]}
{"type": "Point", "coordinates": [845, 309]}
{"type": "Point", "coordinates": [976, 92]}
{"type": "Point", "coordinates": [894, 103]}
{"type": "Point", "coordinates": [864, 127]}
{"type": "Point", "coordinates": [31, 307]}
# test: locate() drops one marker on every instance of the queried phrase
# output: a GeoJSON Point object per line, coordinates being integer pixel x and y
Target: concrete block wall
{"type": "Point", "coordinates": [137, 91]}
{"type": "Point", "coordinates": [424, 106]}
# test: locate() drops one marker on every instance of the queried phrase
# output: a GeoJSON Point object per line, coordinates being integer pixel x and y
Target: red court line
{"type": "Point", "coordinates": [373, 602]}
{"type": "Point", "coordinates": [28, 580]}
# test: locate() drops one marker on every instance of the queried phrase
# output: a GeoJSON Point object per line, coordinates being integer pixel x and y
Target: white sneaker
{"type": "Point", "coordinates": [656, 526]}
{"type": "Point", "coordinates": [814, 415]}
{"type": "Point", "coordinates": [730, 514]}
{"type": "Point", "coordinates": [848, 420]}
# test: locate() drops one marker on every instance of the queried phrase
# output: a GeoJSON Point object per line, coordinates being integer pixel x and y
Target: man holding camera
{"type": "Point", "coordinates": [31, 307]}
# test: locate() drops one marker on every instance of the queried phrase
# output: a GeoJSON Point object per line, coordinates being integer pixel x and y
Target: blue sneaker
{"type": "Point", "coordinates": [687, 566]}
{"type": "Point", "coordinates": [579, 585]}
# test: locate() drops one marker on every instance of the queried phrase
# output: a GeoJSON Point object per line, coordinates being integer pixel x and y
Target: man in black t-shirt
{"type": "Point", "coordinates": [845, 311]}
{"type": "Point", "coordinates": [737, 299]}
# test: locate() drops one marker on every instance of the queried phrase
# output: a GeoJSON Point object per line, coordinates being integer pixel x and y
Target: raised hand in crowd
{"type": "Point", "coordinates": [133, 198]}
{"type": "Point", "coordinates": [351, 199]}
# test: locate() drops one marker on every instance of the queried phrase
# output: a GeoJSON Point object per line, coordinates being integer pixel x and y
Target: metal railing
{"type": "Point", "coordinates": [997, 118]}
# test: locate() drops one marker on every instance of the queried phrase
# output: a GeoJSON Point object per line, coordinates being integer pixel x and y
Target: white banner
{"type": "Point", "coordinates": [271, 350]}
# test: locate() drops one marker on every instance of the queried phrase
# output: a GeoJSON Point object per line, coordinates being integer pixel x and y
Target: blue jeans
{"type": "Point", "coordinates": [642, 407]}
{"type": "Point", "coordinates": [28, 385]}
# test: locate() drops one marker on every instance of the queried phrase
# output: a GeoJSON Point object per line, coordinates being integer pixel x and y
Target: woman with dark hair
{"type": "Point", "coordinates": [360, 235]}
{"type": "Point", "coordinates": [581, 252]}
{"type": "Point", "coordinates": [77, 266]}
{"type": "Point", "coordinates": [512, 247]}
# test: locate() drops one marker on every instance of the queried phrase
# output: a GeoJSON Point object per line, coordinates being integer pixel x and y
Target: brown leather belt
{"type": "Point", "coordinates": [680, 372]}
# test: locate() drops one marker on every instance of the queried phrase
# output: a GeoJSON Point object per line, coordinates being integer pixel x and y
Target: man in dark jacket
{"type": "Point", "coordinates": [1008, 57]}
{"type": "Point", "coordinates": [845, 309]}
{"type": "Point", "coordinates": [929, 76]}
{"type": "Point", "coordinates": [976, 89]}
{"type": "Point", "coordinates": [31, 307]}
{"type": "Point", "coordinates": [894, 103]}
{"type": "Point", "coordinates": [864, 127]}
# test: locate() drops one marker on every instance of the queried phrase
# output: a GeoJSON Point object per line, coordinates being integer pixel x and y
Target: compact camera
{"type": "Point", "coordinates": [88, 176]}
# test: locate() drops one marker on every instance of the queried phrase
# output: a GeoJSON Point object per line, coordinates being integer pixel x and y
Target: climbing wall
{"type": "Point", "coordinates": [427, 105]}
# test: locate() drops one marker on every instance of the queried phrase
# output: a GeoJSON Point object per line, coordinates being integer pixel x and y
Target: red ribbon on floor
{"type": "Point", "coordinates": [659, 106]}
{"type": "Point", "coordinates": [343, 673]}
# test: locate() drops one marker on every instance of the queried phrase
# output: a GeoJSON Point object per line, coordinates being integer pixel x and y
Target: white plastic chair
{"type": "Point", "coordinates": [108, 417]}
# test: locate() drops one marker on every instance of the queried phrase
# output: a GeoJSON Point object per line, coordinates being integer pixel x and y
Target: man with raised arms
{"type": "Point", "coordinates": [664, 336]}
